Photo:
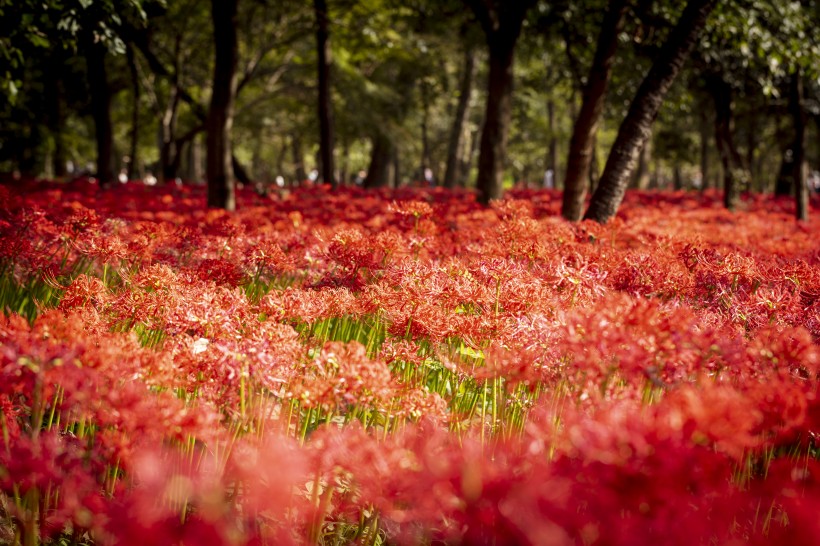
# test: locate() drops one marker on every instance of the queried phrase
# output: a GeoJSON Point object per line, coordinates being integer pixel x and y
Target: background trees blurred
{"type": "Point", "coordinates": [455, 93]}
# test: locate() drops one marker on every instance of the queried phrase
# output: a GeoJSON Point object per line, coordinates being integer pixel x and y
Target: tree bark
{"type": "Point", "coordinates": [221, 191]}
{"type": "Point", "coordinates": [704, 150]}
{"type": "Point", "coordinates": [493, 147]}
{"type": "Point", "coordinates": [799, 164]}
{"type": "Point", "coordinates": [56, 122]}
{"type": "Point", "coordinates": [640, 180]}
{"type": "Point", "coordinates": [582, 143]}
{"type": "Point", "coordinates": [135, 113]}
{"type": "Point", "coordinates": [100, 93]}
{"type": "Point", "coordinates": [636, 127]}
{"type": "Point", "coordinates": [501, 22]}
{"type": "Point", "coordinates": [298, 159]}
{"type": "Point", "coordinates": [730, 158]}
{"type": "Point", "coordinates": [552, 148]}
{"type": "Point", "coordinates": [382, 169]}
{"type": "Point", "coordinates": [169, 147]}
{"type": "Point", "coordinates": [325, 108]}
{"type": "Point", "coordinates": [455, 143]}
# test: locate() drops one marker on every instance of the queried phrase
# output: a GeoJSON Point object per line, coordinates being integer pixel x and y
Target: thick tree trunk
{"type": "Point", "coordinates": [455, 144]}
{"type": "Point", "coordinates": [221, 192]}
{"type": "Point", "coordinates": [799, 164]}
{"type": "Point", "coordinates": [501, 22]}
{"type": "Point", "coordinates": [325, 109]}
{"type": "Point", "coordinates": [636, 127]}
{"type": "Point", "coordinates": [493, 147]}
{"type": "Point", "coordinates": [382, 169]}
{"type": "Point", "coordinates": [582, 143]}
{"type": "Point", "coordinates": [101, 111]}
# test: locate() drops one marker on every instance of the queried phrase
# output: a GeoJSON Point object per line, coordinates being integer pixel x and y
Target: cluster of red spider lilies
{"type": "Point", "coordinates": [405, 367]}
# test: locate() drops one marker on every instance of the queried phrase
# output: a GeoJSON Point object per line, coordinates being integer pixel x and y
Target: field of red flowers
{"type": "Point", "coordinates": [405, 368]}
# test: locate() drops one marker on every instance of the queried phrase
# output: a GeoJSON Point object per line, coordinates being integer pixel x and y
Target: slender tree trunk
{"type": "Point", "coordinates": [325, 107]}
{"type": "Point", "coordinates": [133, 146]}
{"type": "Point", "coordinates": [56, 122]}
{"type": "Point", "coordinates": [101, 111]}
{"type": "Point", "coordinates": [552, 148]}
{"type": "Point", "coordinates": [169, 150]}
{"type": "Point", "coordinates": [592, 174]}
{"type": "Point", "coordinates": [345, 167]}
{"type": "Point", "coordinates": [425, 140]}
{"type": "Point", "coordinates": [704, 150]}
{"type": "Point", "coordinates": [799, 165]}
{"type": "Point", "coordinates": [751, 148]}
{"type": "Point", "coordinates": [466, 163]}
{"type": "Point", "coordinates": [298, 159]}
{"type": "Point", "coordinates": [396, 179]}
{"type": "Point", "coordinates": [636, 127]}
{"type": "Point", "coordinates": [455, 144]}
{"type": "Point", "coordinates": [640, 180]}
{"type": "Point", "coordinates": [582, 143]}
{"type": "Point", "coordinates": [734, 172]}
{"type": "Point", "coordinates": [221, 191]}
{"type": "Point", "coordinates": [240, 173]}
{"type": "Point", "coordinates": [382, 169]}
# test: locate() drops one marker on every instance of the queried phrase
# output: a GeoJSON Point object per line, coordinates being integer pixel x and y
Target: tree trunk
{"type": "Point", "coordinates": [345, 166]}
{"type": "Point", "coordinates": [636, 127]}
{"type": "Point", "coordinates": [552, 148]}
{"type": "Point", "coordinates": [325, 109]}
{"type": "Point", "coordinates": [640, 180]}
{"type": "Point", "coordinates": [751, 148]}
{"type": "Point", "coordinates": [56, 122]}
{"type": "Point", "coordinates": [221, 191]}
{"type": "Point", "coordinates": [729, 156]}
{"type": "Point", "coordinates": [799, 165]}
{"type": "Point", "coordinates": [168, 151]}
{"type": "Point", "coordinates": [501, 22]}
{"type": "Point", "coordinates": [582, 143]}
{"type": "Point", "coordinates": [425, 163]}
{"type": "Point", "coordinates": [101, 111]}
{"type": "Point", "coordinates": [466, 163]}
{"type": "Point", "coordinates": [592, 175]}
{"type": "Point", "coordinates": [455, 144]}
{"type": "Point", "coordinates": [381, 171]}
{"type": "Point", "coordinates": [493, 147]}
{"type": "Point", "coordinates": [169, 148]}
{"type": "Point", "coordinates": [704, 150]}
{"type": "Point", "coordinates": [135, 113]}
{"type": "Point", "coordinates": [298, 159]}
